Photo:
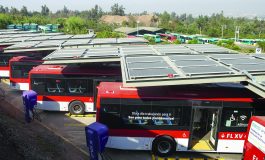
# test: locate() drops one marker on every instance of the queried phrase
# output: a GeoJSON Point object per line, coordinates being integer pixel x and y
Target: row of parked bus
{"type": "Point", "coordinates": [202, 118]}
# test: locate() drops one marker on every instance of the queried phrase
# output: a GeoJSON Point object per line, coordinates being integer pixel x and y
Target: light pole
{"type": "Point", "coordinates": [137, 28]}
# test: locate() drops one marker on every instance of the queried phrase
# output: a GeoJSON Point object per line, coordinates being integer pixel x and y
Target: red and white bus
{"type": "Point", "coordinates": [3, 46]}
{"type": "Point", "coordinates": [168, 37]}
{"type": "Point", "coordinates": [202, 118]}
{"type": "Point", "coordinates": [5, 57]}
{"type": "Point", "coordinates": [19, 68]}
{"type": "Point", "coordinates": [70, 88]}
{"type": "Point", "coordinates": [254, 147]}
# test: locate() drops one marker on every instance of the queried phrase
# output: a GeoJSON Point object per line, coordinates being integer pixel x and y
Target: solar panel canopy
{"type": "Point", "coordinates": [67, 41]}
{"type": "Point", "coordinates": [159, 70]}
{"type": "Point", "coordinates": [83, 55]}
{"type": "Point", "coordinates": [144, 66]}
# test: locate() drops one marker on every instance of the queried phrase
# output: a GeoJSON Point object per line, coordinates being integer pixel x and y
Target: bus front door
{"type": "Point", "coordinates": [214, 127]}
{"type": "Point", "coordinates": [204, 129]}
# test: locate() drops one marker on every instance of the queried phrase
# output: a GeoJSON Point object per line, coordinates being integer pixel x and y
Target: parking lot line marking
{"type": "Point", "coordinates": [197, 158]}
{"type": "Point", "coordinates": [85, 115]}
{"type": "Point", "coordinates": [183, 159]}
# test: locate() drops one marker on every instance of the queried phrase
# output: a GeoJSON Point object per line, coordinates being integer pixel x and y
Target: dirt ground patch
{"type": "Point", "coordinates": [19, 140]}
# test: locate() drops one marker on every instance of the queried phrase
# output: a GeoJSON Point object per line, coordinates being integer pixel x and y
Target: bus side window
{"type": "Point", "coordinates": [77, 86]}
{"type": "Point", "coordinates": [55, 86]}
{"type": "Point", "coordinates": [166, 115]}
{"type": "Point", "coordinates": [38, 85]}
{"type": "Point", "coordinates": [237, 117]}
{"type": "Point", "coordinates": [110, 115]}
{"type": "Point", "coordinates": [135, 112]}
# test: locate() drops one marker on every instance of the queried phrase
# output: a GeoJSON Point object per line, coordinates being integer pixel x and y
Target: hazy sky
{"type": "Point", "coordinates": [196, 7]}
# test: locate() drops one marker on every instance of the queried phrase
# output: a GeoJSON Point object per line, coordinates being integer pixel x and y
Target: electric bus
{"type": "Point", "coordinates": [19, 68]}
{"type": "Point", "coordinates": [71, 88]}
{"type": "Point", "coordinates": [5, 57]}
{"type": "Point", "coordinates": [155, 38]}
{"type": "Point", "coordinates": [168, 37]}
{"type": "Point", "coordinates": [254, 147]}
{"type": "Point", "coordinates": [201, 118]}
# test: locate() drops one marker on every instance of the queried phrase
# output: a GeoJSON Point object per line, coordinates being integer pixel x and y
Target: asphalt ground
{"type": "Point", "coordinates": [72, 128]}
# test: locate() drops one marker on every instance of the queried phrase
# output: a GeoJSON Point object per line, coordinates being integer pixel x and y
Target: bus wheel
{"type": "Point", "coordinates": [163, 146]}
{"type": "Point", "coordinates": [77, 108]}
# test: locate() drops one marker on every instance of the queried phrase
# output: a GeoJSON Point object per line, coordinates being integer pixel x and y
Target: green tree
{"type": "Point", "coordinates": [45, 10]}
{"type": "Point", "coordinates": [2, 9]}
{"type": "Point", "coordinates": [4, 20]}
{"type": "Point", "coordinates": [24, 11]}
{"type": "Point", "coordinates": [13, 10]}
{"type": "Point", "coordinates": [75, 25]}
{"type": "Point", "coordinates": [117, 10]}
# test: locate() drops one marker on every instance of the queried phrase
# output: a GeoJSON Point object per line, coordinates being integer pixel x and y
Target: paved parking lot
{"type": "Point", "coordinates": [72, 129]}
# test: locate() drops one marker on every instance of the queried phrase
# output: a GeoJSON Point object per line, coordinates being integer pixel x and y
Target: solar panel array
{"type": "Point", "coordinates": [198, 65]}
{"type": "Point", "coordinates": [75, 42]}
{"type": "Point", "coordinates": [83, 53]}
{"type": "Point", "coordinates": [15, 38]}
{"type": "Point", "coordinates": [15, 31]}
{"type": "Point", "coordinates": [24, 45]}
{"type": "Point", "coordinates": [198, 68]}
{"type": "Point", "coordinates": [50, 44]}
{"type": "Point", "coordinates": [139, 67]}
{"type": "Point", "coordinates": [136, 50]}
{"type": "Point", "coordinates": [83, 36]}
{"type": "Point", "coordinates": [242, 63]}
{"type": "Point", "coordinates": [98, 41]}
{"type": "Point", "coordinates": [29, 35]}
{"type": "Point", "coordinates": [132, 40]}
{"type": "Point", "coordinates": [173, 49]}
{"type": "Point", "coordinates": [209, 48]}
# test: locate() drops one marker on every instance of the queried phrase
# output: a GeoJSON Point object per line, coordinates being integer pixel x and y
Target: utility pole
{"type": "Point", "coordinates": [137, 28]}
{"type": "Point", "coordinates": [237, 33]}
{"type": "Point", "coordinates": [223, 27]}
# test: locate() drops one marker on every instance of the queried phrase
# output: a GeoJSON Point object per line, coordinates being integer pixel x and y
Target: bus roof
{"type": "Point", "coordinates": [26, 59]}
{"type": "Point", "coordinates": [77, 70]}
{"type": "Point", "coordinates": [212, 92]}
{"type": "Point", "coordinates": [166, 35]}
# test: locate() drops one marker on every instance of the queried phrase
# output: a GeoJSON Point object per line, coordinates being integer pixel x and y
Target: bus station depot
{"type": "Point", "coordinates": [215, 89]}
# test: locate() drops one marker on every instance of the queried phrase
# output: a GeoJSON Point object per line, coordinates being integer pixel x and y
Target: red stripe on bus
{"type": "Point", "coordinates": [148, 133]}
{"type": "Point", "coordinates": [4, 68]}
{"type": "Point", "coordinates": [65, 98]}
{"type": "Point", "coordinates": [233, 135]}
{"type": "Point", "coordinates": [19, 80]}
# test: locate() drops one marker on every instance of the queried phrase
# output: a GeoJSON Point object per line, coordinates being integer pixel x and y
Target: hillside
{"type": "Point", "coordinates": [144, 20]}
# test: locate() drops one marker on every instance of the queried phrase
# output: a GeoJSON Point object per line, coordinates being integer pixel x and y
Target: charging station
{"type": "Point", "coordinates": [97, 138]}
{"type": "Point", "coordinates": [29, 100]}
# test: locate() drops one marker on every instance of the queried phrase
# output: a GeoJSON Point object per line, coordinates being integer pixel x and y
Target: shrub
{"type": "Point", "coordinates": [75, 25]}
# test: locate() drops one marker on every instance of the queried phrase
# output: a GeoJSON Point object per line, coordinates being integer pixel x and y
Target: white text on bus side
{"type": "Point", "coordinates": [255, 157]}
{"type": "Point", "coordinates": [235, 136]}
